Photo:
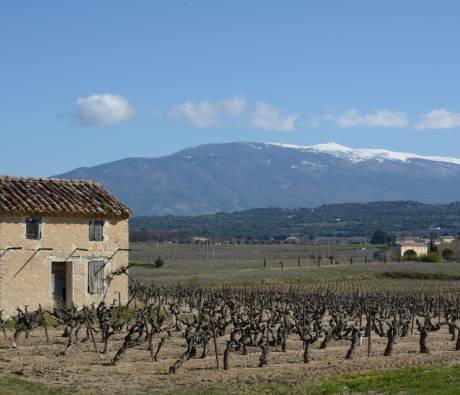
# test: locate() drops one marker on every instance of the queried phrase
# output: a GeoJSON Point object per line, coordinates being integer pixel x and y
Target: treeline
{"type": "Point", "coordinates": [337, 220]}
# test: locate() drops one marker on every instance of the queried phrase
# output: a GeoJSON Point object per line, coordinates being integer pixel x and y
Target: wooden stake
{"type": "Point", "coordinates": [88, 325]}
{"type": "Point", "coordinates": [152, 354]}
{"type": "Point", "coordinates": [216, 351]}
{"type": "Point", "coordinates": [369, 343]}
{"type": "Point", "coordinates": [412, 321]}
{"type": "Point", "coordinates": [43, 323]}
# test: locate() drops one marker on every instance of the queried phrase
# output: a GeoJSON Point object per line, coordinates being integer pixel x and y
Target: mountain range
{"type": "Point", "coordinates": [243, 175]}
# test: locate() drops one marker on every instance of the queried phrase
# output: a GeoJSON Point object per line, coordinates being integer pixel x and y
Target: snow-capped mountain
{"type": "Point", "coordinates": [360, 155]}
{"type": "Point", "coordinates": [237, 176]}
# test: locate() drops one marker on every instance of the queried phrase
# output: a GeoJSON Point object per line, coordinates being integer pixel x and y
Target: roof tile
{"type": "Point", "coordinates": [58, 197]}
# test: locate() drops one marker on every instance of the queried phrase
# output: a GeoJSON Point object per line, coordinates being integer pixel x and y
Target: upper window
{"type": "Point", "coordinates": [34, 228]}
{"type": "Point", "coordinates": [96, 230]}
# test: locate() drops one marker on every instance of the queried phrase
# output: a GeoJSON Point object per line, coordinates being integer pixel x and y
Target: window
{"type": "Point", "coordinates": [96, 277]}
{"type": "Point", "coordinates": [34, 228]}
{"type": "Point", "coordinates": [96, 230]}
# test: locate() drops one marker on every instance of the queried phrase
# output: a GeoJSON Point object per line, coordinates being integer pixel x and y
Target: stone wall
{"type": "Point", "coordinates": [419, 250]}
{"type": "Point", "coordinates": [25, 275]}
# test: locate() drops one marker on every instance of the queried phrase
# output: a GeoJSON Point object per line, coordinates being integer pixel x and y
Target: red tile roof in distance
{"type": "Point", "coordinates": [58, 198]}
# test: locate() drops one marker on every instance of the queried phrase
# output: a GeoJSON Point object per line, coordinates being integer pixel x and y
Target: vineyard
{"type": "Point", "coordinates": [178, 336]}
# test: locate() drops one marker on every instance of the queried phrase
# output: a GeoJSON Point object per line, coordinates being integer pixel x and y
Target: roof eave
{"type": "Point", "coordinates": [123, 216]}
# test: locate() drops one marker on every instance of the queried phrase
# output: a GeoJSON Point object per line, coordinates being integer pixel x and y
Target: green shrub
{"type": "Point", "coordinates": [159, 262]}
{"type": "Point", "coordinates": [433, 256]}
{"type": "Point", "coordinates": [383, 237]}
{"type": "Point", "coordinates": [410, 255]}
{"type": "Point", "coordinates": [447, 254]}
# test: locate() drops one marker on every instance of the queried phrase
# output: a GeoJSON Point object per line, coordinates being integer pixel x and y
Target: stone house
{"type": "Point", "coordinates": [417, 247]}
{"type": "Point", "coordinates": [445, 240]}
{"type": "Point", "coordinates": [60, 242]}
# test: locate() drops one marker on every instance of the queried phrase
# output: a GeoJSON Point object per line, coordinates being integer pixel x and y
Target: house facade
{"type": "Point", "coordinates": [418, 248]}
{"type": "Point", "coordinates": [60, 243]}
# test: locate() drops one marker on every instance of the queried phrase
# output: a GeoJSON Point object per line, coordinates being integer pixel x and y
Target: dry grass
{"type": "Point", "coordinates": [185, 265]}
{"type": "Point", "coordinates": [83, 371]}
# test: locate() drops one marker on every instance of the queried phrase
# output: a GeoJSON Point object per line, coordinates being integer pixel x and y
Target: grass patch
{"type": "Point", "coordinates": [439, 380]}
{"type": "Point", "coordinates": [10, 385]}
{"type": "Point", "coordinates": [417, 276]}
{"type": "Point", "coordinates": [417, 381]}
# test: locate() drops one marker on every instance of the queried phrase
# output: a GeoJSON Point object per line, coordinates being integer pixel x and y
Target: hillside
{"type": "Point", "coordinates": [338, 220]}
{"type": "Point", "coordinates": [239, 176]}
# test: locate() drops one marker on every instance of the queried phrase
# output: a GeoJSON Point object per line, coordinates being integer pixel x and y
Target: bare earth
{"type": "Point", "coordinates": [82, 370]}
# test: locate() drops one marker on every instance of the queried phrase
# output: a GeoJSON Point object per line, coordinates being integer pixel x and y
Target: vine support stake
{"type": "Point", "coordinates": [216, 351]}
{"type": "Point", "coordinates": [44, 324]}
{"type": "Point", "coordinates": [88, 325]}
{"type": "Point", "coordinates": [369, 340]}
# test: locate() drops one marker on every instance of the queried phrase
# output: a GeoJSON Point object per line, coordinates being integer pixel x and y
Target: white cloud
{"type": "Point", "coordinates": [234, 106]}
{"type": "Point", "coordinates": [382, 119]}
{"type": "Point", "coordinates": [439, 119]}
{"type": "Point", "coordinates": [317, 121]}
{"type": "Point", "coordinates": [103, 109]}
{"type": "Point", "coordinates": [207, 114]}
{"type": "Point", "coordinates": [198, 115]}
{"type": "Point", "coordinates": [268, 117]}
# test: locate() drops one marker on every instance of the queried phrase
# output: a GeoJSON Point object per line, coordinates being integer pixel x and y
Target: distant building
{"type": "Point", "coordinates": [445, 240]}
{"type": "Point", "coordinates": [418, 248]}
{"type": "Point", "coordinates": [434, 229]}
{"type": "Point", "coordinates": [200, 239]}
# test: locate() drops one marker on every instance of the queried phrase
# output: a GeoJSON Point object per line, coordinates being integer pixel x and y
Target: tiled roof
{"type": "Point", "coordinates": [56, 197]}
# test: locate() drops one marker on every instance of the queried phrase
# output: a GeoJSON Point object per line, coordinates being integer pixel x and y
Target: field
{"type": "Point", "coordinates": [199, 265]}
{"type": "Point", "coordinates": [211, 281]}
{"type": "Point", "coordinates": [81, 370]}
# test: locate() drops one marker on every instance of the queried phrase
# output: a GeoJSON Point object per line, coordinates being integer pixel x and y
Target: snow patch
{"type": "Point", "coordinates": [357, 155]}
{"type": "Point", "coordinates": [253, 145]}
{"type": "Point", "coordinates": [307, 163]}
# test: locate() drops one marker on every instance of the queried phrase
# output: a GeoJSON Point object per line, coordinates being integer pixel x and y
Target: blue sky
{"type": "Point", "coordinates": [82, 83]}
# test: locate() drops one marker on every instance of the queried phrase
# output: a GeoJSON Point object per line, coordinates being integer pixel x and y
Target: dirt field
{"type": "Point", "coordinates": [84, 371]}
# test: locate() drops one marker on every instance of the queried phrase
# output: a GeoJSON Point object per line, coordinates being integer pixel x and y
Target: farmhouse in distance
{"type": "Point", "coordinates": [60, 242]}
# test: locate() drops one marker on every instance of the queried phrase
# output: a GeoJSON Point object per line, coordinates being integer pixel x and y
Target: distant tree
{"type": "Point", "coordinates": [433, 256]}
{"type": "Point", "coordinates": [159, 262]}
{"type": "Point", "coordinates": [433, 247]}
{"type": "Point", "coordinates": [447, 254]}
{"type": "Point", "coordinates": [383, 237]}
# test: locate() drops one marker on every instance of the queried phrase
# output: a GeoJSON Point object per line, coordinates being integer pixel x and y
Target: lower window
{"type": "Point", "coordinates": [96, 277]}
